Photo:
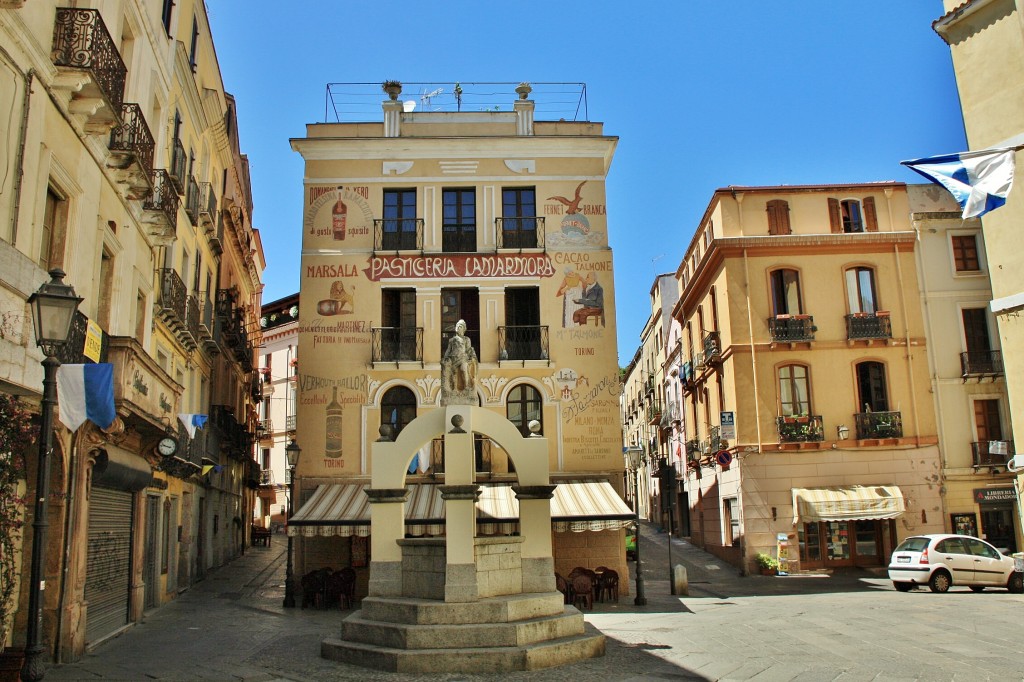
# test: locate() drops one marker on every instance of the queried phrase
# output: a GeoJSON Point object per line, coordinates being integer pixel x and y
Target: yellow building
{"type": "Point", "coordinates": [436, 216]}
{"type": "Point", "coordinates": [123, 170]}
{"type": "Point", "coordinates": [986, 40]}
{"type": "Point", "coordinates": [808, 413]}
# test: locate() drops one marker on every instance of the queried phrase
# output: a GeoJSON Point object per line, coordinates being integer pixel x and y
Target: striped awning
{"type": "Point", "coordinates": [847, 503]}
{"type": "Point", "coordinates": [344, 509]}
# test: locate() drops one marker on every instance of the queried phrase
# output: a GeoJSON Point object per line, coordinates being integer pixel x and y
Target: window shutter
{"type": "Point", "coordinates": [835, 216]}
{"type": "Point", "coordinates": [778, 217]}
{"type": "Point", "coordinates": [870, 216]}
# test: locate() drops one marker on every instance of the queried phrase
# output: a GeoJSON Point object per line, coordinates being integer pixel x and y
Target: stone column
{"type": "Point", "coordinates": [535, 527]}
{"type": "Point", "coordinates": [460, 550]}
{"type": "Point", "coordinates": [392, 117]}
{"type": "Point", "coordinates": [387, 519]}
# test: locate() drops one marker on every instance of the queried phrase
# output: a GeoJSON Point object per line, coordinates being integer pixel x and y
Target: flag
{"type": "Point", "coordinates": [192, 422]}
{"type": "Point", "coordinates": [207, 468]}
{"type": "Point", "coordinates": [86, 392]}
{"type": "Point", "coordinates": [979, 180]}
{"type": "Point", "coordinates": [421, 460]}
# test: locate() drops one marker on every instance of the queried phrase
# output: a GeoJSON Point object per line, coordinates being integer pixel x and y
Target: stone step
{"type": "Point", "coordinates": [483, 660]}
{"type": "Point", "coordinates": [503, 609]}
{"type": "Point", "coordinates": [357, 628]}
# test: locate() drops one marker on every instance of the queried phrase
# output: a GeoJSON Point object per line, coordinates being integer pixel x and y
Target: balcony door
{"type": "Point", "coordinates": [522, 324]}
{"type": "Point", "coordinates": [519, 210]}
{"type": "Point", "coordinates": [872, 392]}
{"type": "Point", "coordinates": [977, 339]}
{"type": "Point", "coordinates": [987, 423]}
{"type": "Point", "coordinates": [860, 290]}
{"type": "Point", "coordinates": [399, 228]}
{"type": "Point", "coordinates": [460, 304]}
{"type": "Point", "coordinates": [398, 319]}
{"type": "Point", "coordinates": [786, 292]}
{"type": "Point", "coordinates": [459, 220]}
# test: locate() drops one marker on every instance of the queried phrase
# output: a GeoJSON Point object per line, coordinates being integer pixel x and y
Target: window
{"type": "Point", "coordinates": [460, 304]}
{"type": "Point", "coordinates": [965, 253]}
{"type": "Point", "coordinates": [397, 408]}
{"type": "Point", "coordinates": [976, 336]}
{"type": "Point", "coordinates": [459, 220]}
{"type": "Point", "coordinates": [731, 521]}
{"type": "Point", "coordinates": [399, 224]}
{"type": "Point", "coordinates": [786, 292]}
{"type": "Point", "coordinates": [51, 247]}
{"type": "Point", "coordinates": [524, 405]}
{"type": "Point", "coordinates": [794, 391]}
{"type": "Point", "coordinates": [398, 332]}
{"type": "Point", "coordinates": [851, 215]}
{"type": "Point", "coordinates": [522, 337]}
{"type": "Point", "coordinates": [519, 222]}
{"type": "Point", "coordinates": [193, 48]}
{"type": "Point", "coordinates": [106, 291]}
{"type": "Point", "coordinates": [778, 217]}
{"type": "Point", "coordinates": [871, 388]}
{"type": "Point", "coordinates": [987, 423]}
{"type": "Point", "coordinates": [165, 15]}
{"type": "Point", "coordinates": [860, 290]}
{"type": "Point", "coordinates": [140, 316]}
{"type": "Point", "coordinates": [265, 457]}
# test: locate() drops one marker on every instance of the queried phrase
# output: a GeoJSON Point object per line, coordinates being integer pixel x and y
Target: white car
{"type": "Point", "coordinates": [941, 561]}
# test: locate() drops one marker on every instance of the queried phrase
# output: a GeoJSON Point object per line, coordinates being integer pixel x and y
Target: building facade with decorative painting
{"type": "Point", "coordinates": [124, 171]}
{"type": "Point", "coordinates": [421, 220]}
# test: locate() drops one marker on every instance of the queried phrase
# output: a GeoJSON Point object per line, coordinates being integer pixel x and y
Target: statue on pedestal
{"type": "Point", "coordinates": [458, 370]}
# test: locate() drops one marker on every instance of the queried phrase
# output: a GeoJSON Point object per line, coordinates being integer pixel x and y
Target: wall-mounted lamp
{"type": "Point", "coordinates": [843, 431]}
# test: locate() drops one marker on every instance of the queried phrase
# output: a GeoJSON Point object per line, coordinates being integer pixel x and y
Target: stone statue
{"type": "Point", "coordinates": [458, 370]}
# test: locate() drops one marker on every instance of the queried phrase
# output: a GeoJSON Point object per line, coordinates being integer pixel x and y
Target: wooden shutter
{"type": "Point", "coordinates": [778, 217]}
{"type": "Point", "coordinates": [870, 215]}
{"type": "Point", "coordinates": [835, 216]}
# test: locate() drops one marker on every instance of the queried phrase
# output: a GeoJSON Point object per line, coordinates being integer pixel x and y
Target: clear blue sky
{"type": "Point", "coordinates": [702, 94]}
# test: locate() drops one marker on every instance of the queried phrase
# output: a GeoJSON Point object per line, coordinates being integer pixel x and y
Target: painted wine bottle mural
{"type": "Point", "coordinates": [333, 446]}
{"type": "Point", "coordinates": [339, 216]}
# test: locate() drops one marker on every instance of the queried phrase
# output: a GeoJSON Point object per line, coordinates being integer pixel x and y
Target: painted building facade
{"type": "Point", "coordinates": [428, 218]}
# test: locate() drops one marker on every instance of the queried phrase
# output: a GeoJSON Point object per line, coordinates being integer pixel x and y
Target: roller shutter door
{"type": "Point", "coordinates": [108, 569]}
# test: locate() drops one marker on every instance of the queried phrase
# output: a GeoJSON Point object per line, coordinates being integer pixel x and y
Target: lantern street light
{"type": "Point", "coordinates": [53, 307]}
{"type": "Point", "coordinates": [292, 450]}
{"type": "Point", "coordinates": [635, 458]}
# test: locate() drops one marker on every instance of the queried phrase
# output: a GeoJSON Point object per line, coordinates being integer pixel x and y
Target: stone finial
{"type": "Point", "coordinates": [534, 427]}
{"type": "Point", "coordinates": [524, 90]}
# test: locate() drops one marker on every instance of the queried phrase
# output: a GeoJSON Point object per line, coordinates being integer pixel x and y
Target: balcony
{"type": "Point", "coordinates": [207, 206]}
{"type": "Point", "coordinates": [265, 428]}
{"type": "Point", "coordinates": [983, 363]}
{"type": "Point", "coordinates": [172, 299]}
{"type": "Point", "coordinates": [800, 429]}
{"type": "Point", "coordinates": [131, 151]}
{"type": "Point", "coordinates": [73, 351]}
{"type": "Point", "coordinates": [712, 348]}
{"type": "Point", "coordinates": [234, 439]}
{"type": "Point", "coordinates": [266, 477]}
{"type": "Point", "coordinates": [193, 313]}
{"type": "Point", "coordinates": [89, 67]}
{"type": "Point", "coordinates": [654, 413]}
{"type": "Point", "coordinates": [192, 201]}
{"type": "Point", "coordinates": [398, 234]}
{"type": "Point", "coordinates": [791, 328]}
{"type": "Point", "coordinates": [146, 397]}
{"type": "Point", "coordinates": [217, 236]}
{"type": "Point", "coordinates": [878, 425]}
{"type": "Point", "coordinates": [289, 423]}
{"type": "Point", "coordinates": [523, 342]}
{"type": "Point", "coordinates": [179, 163]}
{"type": "Point", "coordinates": [991, 453]}
{"type": "Point", "coordinates": [161, 209]}
{"type": "Point", "coordinates": [868, 326]}
{"type": "Point", "coordinates": [396, 344]}
{"type": "Point", "coordinates": [206, 325]}
{"type": "Point", "coordinates": [461, 240]}
{"type": "Point", "coordinates": [519, 233]}
{"type": "Point", "coordinates": [648, 384]}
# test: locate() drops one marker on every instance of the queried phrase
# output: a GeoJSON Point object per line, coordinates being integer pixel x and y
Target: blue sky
{"type": "Point", "coordinates": [702, 94]}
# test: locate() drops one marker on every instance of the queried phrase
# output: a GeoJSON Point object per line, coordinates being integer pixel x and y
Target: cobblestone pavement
{"type": "Point", "coordinates": [848, 626]}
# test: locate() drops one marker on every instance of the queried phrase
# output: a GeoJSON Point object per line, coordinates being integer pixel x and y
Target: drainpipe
{"type": "Point", "coordinates": [906, 341]}
{"type": "Point", "coordinates": [19, 169]}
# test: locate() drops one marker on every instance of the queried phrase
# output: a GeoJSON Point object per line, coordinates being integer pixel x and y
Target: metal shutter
{"type": "Point", "coordinates": [108, 569]}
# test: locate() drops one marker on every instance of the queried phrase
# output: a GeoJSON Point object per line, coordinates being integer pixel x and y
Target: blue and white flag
{"type": "Point", "coordinates": [979, 180]}
{"type": "Point", "coordinates": [86, 392]}
{"type": "Point", "coordinates": [421, 461]}
{"type": "Point", "coordinates": [192, 422]}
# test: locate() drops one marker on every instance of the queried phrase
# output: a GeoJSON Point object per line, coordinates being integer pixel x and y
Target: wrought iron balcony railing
{"type": "Point", "coordinates": [217, 236]}
{"type": "Point", "coordinates": [868, 326]}
{"type": "Point", "coordinates": [134, 141]}
{"type": "Point", "coordinates": [981, 363]}
{"type": "Point", "coordinates": [800, 429]}
{"type": "Point", "coordinates": [172, 298]}
{"type": "Point", "coordinates": [190, 335]}
{"type": "Point", "coordinates": [396, 344]}
{"type": "Point", "coordinates": [992, 452]}
{"type": "Point", "coordinates": [872, 425]}
{"type": "Point", "coordinates": [162, 204]}
{"type": "Point", "coordinates": [265, 429]}
{"type": "Point", "coordinates": [179, 165]}
{"type": "Point", "coordinates": [654, 412]}
{"type": "Point", "coordinates": [192, 201]}
{"type": "Point", "coordinates": [712, 347]}
{"type": "Point", "coordinates": [519, 233]}
{"type": "Point", "coordinates": [289, 422]}
{"type": "Point", "coordinates": [207, 206]}
{"type": "Point", "coordinates": [81, 41]}
{"type": "Point", "coordinates": [266, 477]}
{"type": "Point", "coordinates": [791, 328]}
{"type": "Point", "coordinates": [73, 350]}
{"type": "Point", "coordinates": [398, 234]}
{"type": "Point", "coordinates": [523, 342]}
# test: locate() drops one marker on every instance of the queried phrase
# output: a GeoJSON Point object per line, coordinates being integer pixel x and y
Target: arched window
{"type": "Point", "coordinates": [872, 394]}
{"type": "Point", "coordinates": [860, 290]}
{"type": "Point", "coordinates": [397, 408]}
{"type": "Point", "coordinates": [786, 292]}
{"type": "Point", "coordinates": [794, 391]}
{"type": "Point", "coordinates": [524, 405]}
{"type": "Point", "coordinates": [851, 215]}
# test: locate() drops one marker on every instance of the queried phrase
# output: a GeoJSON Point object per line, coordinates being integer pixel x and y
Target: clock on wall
{"type": "Point", "coordinates": [167, 446]}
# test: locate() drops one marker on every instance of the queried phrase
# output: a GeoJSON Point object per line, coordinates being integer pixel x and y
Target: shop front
{"type": "Point", "coordinates": [846, 526]}
{"type": "Point", "coordinates": [997, 511]}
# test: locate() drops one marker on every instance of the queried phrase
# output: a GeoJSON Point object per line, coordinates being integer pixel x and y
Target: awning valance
{"type": "Point", "coordinates": [847, 503]}
{"type": "Point", "coordinates": [344, 509]}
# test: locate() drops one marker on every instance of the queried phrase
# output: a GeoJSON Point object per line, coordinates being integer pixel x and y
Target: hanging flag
{"type": "Point", "coordinates": [192, 422]}
{"type": "Point", "coordinates": [979, 181]}
{"type": "Point", "coordinates": [86, 392]}
{"type": "Point", "coordinates": [206, 468]}
{"type": "Point", "coordinates": [421, 460]}
{"type": "Point", "coordinates": [679, 451]}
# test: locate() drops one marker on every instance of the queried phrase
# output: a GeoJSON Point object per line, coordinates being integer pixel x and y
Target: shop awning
{"type": "Point", "coordinates": [344, 509]}
{"type": "Point", "coordinates": [847, 503]}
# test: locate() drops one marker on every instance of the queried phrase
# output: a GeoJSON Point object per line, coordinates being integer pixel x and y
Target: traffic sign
{"type": "Point", "coordinates": [723, 457]}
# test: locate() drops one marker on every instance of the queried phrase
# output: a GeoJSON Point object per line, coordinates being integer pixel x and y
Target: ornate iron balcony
{"type": "Point", "coordinates": [791, 328]}
{"type": "Point", "coordinates": [162, 204]}
{"type": "Point", "coordinates": [396, 344]}
{"type": "Point", "coordinates": [81, 42]}
{"type": "Point", "coordinates": [217, 236]}
{"type": "Point", "coordinates": [872, 425]}
{"type": "Point", "coordinates": [179, 164]}
{"type": "Point", "coordinates": [192, 201]}
{"type": "Point", "coordinates": [800, 429]}
{"type": "Point", "coordinates": [992, 452]}
{"type": "Point", "coordinates": [289, 422]}
{"type": "Point", "coordinates": [207, 206]}
{"type": "Point", "coordinates": [266, 477]}
{"type": "Point", "coordinates": [73, 350]}
{"type": "Point", "coordinates": [131, 145]}
{"type": "Point", "coordinates": [265, 428]}
{"type": "Point", "coordinates": [190, 334]}
{"type": "Point", "coordinates": [523, 342]}
{"type": "Point", "coordinates": [981, 363]}
{"type": "Point", "coordinates": [712, 347]}
{"type": "Point", "coordinates": [398, 234]}
{"type": "Point", "coordinates": [172, 298]}
{"type": "Point", "coordinates": [519, 232]}
{"type": "Point", "coordinates": [868, 326]}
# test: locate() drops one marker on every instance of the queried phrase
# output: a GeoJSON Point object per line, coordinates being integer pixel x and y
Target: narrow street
{"type": "Point", "coordinates": [849, 626]}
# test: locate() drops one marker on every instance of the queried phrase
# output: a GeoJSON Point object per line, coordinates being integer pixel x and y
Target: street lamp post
{"type": "Point", "coordinates": [635, 458]}
{"type": "Point", "coordinates": [293, 451]}
{"type": "Point", "coordinates": [53, 307]}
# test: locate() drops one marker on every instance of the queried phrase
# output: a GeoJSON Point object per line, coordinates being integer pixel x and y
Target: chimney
{"type": "Point", "coordinates": [524, 110]}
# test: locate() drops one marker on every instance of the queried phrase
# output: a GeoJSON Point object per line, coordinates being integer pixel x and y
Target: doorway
{"type": "Point", "coordinates": [997, 527]}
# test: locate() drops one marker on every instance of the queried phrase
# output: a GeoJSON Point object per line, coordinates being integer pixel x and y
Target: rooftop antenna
{"type": "Point", "coordinates": [655, 260]}
{"type": "Point", "coordinates": [427, 96]}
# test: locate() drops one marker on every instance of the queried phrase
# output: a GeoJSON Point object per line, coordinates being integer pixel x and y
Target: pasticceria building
{"type": "Point", "coordinates": [415, 223]}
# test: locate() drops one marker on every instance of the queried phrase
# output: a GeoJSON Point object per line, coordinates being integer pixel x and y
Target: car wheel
{"type": "Point", "coordinates": [903, 587]}
{"type": "Point", "coordinates": [940, 582]}
{"type": "Point", "coordinates": [1016, 582]}
{"type": "Point", "coordinates": [977, 588]}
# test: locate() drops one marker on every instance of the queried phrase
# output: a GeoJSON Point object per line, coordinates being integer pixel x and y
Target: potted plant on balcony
{"type": "Point", "coordinates": [766, 563]}
{"type": "Point", "coordinates": [17, 434]}
{"type": "Point", "coordinates": [393, 88]}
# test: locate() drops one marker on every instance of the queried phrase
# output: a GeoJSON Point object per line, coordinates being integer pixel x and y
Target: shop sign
{"type": "Point", "coordinates": [983, 495]}
{"type": "Point", "coordinates": [728, 423]}
{"type": "Point", "coordinates": [93, 341]}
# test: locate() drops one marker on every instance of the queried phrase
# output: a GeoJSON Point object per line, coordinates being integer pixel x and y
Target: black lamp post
{"type": "Point", "coordinates": [293, 451]}
{"type": "Point", "coordinates": [53, 307]}
{"type": "Point", "coordinates": [634, 456]}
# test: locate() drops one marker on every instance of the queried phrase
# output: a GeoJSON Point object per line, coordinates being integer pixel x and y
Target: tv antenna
{"type": "Point", "coordinates": [427, 96]}
{"type": "Point", "coordinates": [655, 260]}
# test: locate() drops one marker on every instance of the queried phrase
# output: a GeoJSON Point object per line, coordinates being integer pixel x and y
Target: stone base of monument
{"type": "Point", "coordinates": [494, 634]}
